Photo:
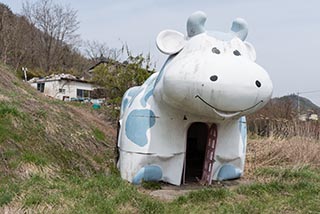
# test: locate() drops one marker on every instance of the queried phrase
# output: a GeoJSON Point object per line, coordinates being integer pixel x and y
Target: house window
{"type": "Point", "coordinates": [83, 93]}
{"type": "Point", "coordinates": [40, 87]}
{"type": "Point", "coordinates": [62, 90]}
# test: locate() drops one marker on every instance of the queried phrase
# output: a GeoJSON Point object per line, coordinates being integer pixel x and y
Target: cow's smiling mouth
{"type": "Point", "coordinates": [226, 114]}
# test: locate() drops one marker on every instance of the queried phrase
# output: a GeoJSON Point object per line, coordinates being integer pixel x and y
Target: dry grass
{"type": "Point", "coordinates": [19, 208]}
{"type": "Point", "coordinates": [294, 153]}
{"type": "Point", "coordinates": [4, 98]}
{"type": "Point", "coordinates": [26, 170]}
{"type": "Point", "coordinates": [284, 128]}
{"type": "Point", "coordinates": [98, 120]}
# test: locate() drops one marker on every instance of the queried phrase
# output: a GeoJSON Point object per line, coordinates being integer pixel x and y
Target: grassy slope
{"type": "Point", "coordinates": [55, 158]}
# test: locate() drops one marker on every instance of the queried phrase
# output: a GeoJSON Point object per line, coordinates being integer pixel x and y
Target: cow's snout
{"type": "Point", "coordinates": [229, 84]}
{"type": "Point", "coordinates": [214, 78]}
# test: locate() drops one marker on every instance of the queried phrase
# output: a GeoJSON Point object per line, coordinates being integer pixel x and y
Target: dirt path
{"type": "Point", "coordinates": [170, 192]}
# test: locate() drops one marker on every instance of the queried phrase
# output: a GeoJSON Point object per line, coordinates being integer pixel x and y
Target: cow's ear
{"type": "Point", "coordinates": [170, 41]}
{"type": "Point", "coordinates": [251, 51]}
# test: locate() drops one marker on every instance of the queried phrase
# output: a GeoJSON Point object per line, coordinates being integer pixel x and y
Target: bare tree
{"type": "Point", "coordinates": [6, 26]}
{"type": "Point", "coordinates": [94, 50]}
{"type": "Point", "coordinates": [58, 25]}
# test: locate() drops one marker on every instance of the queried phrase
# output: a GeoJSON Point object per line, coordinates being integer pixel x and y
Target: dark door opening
{"type": "Point", "coordinates": [197, 138]}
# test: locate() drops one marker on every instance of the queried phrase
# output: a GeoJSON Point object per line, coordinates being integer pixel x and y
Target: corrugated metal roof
{"type": "Point", "coordinates": [57, 77]}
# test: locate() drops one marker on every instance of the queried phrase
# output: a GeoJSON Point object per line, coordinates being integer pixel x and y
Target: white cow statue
{"type": "Point", "coordinates": [186, 122]}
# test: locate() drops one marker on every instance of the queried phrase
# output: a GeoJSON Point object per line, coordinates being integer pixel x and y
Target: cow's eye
{"type": "Point", "coordinates": [236, 53]}
{"type": "Point", "coordinates": [215, 50]}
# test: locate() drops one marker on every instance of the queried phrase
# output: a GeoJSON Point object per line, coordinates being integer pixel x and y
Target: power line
{"type": "Point", "coordinates": [304, 92]}
{"type": "Point", "coordinates": [308, 92]}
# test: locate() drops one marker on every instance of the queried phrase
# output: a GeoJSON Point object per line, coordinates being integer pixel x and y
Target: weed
{"type": "Point", "coordinates": [41, 113]}
{"type": "Point", "coordinates": [37, 159]}
{"type": "Point", "coordinates": [9, 153]}
{"type": "Point", "coordinates": [98, 159]}
{"type": "Point", "coordinates": [33, 199]}
{"type": "Point", "coordinates": [99, 135]}
{"type": "Point", "coordinates": [6, 109]}
{"type": "Point", "coordinates": [5, 197]}
{"type": "Point", "coordinates": [7, 191]}
{"type": "Point", "coordinates": [7, 131]}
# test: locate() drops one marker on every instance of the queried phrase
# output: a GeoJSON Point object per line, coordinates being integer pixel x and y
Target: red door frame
{"type": "Point", "coordinates": [209, 156]}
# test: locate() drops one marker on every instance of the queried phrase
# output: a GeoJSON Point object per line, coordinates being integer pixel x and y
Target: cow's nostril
{"type": "Point", "coordinates": [258, 84]}
{"type": "Point", "coordinates": [214, 78]}
{"type": "Point", "coordinates": [215, 50]}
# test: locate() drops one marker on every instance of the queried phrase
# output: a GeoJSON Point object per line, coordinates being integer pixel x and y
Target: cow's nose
{"type": "Point", "coordinates": [214, 78]}
{"type": "Point", "coordinates": [258, 83]}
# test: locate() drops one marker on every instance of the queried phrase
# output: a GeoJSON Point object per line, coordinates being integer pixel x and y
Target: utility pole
{"type": "Point", "coordinates": [24, 69]}
{"type": "Point", "coordinates": [298, 94]}
{"type": "Point", "coordinates": [304, 92]}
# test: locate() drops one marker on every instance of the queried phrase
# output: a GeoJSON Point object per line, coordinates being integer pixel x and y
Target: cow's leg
{"type": "Point", "coordinates": [230, 150]}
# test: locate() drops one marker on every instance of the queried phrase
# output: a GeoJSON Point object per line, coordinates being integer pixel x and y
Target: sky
{"type": "Point", "coordinates": [285, 34]}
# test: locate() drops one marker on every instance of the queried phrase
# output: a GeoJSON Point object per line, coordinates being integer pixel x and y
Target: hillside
{"type": "Point", "coordinates": [43, 136]}
{"type": "Point", "coordinates": [38, 130]}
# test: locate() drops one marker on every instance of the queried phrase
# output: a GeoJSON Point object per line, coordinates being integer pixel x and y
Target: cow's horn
{"type": "Point", "coordinates": [240, 28]}
{"type": "Point", "coordinates": [195, 23]}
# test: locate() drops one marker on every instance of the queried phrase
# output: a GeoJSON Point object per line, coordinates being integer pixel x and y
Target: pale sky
{"type": "Point", "coordinates": [285, 33]}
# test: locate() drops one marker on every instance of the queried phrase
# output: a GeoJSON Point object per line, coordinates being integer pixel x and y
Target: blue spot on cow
{"type": "Point", "coordinates": [228, 172]}
{"type": "Point", "coordinates": [128, 97]}
{"type": "Point", "coordinates": [148, 173]}
{"type": "Point", "coordinates": [124, 105]}
{"type": "Point", "coordinates": [162, 69]}
{"type": "Point", "coordinates": [149, 91]}
{"type": "Point", "coordinates": [134, 93]}
{"type": "Point", "coordinates": [137, 125]}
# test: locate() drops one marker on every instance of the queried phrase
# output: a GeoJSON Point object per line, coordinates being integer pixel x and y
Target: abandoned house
{"type": "Point", "coordinates": [63, 87]}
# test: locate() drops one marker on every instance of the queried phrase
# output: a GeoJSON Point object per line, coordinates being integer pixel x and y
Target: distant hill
{"type": "Point", "coordinates": [286, 107]}
{"type": "Point", "coordinates": [304, 103]}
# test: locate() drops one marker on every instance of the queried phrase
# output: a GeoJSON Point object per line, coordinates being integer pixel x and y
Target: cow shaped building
{"type": "Point", "coordinates": [186, 122]}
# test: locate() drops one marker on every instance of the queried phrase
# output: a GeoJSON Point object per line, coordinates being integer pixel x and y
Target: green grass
{"type": "Point", "coordinates": [8, 113]}
{"type": "Point", "coordinates": [287, 191]}
{"type": "Point", "coordinates": [8, 109]}
{"type": "Point", "coordinates": [99, 135]}
{"type": "Point", "coordinates": [8, 190]}
{"type": "Point", "coordinates": [96, 194]}
{"type": "Point", "coordinates": [31, 157]}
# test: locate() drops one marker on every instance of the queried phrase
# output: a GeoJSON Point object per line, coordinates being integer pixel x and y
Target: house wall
{"type": "Point", "coordinates": [69, 88]}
